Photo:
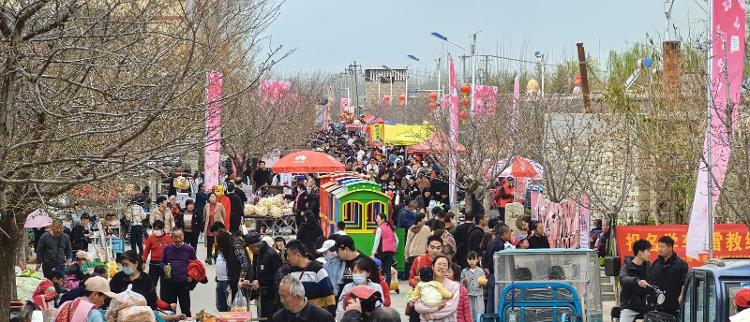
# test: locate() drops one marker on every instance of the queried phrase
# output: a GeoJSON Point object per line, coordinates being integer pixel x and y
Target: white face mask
{"type": "Point", "coordinates": [159, 232]}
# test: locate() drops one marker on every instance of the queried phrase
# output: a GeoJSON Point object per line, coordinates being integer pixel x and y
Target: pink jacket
{"type": "Point", "coordinates": [464, 310]}
{"type": "Point", "coordinates": [449, 312]}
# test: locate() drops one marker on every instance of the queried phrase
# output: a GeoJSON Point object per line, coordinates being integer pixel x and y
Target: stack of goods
{"type": "Point", "coordinates": [274, 207]}
{"type": "Point", "coordinates": [129, 306]}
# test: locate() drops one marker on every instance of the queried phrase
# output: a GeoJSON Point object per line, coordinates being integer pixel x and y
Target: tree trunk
{"type": "Point", "coordinates": [7, 266]}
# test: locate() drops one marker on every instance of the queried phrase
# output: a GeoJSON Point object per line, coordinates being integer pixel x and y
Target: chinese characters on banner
{"type": "Point", "coordinates": [730, 241]}
{"type": "Point", "coordinates": [377, 132]}
{"type": "Point", "coordinates": [213, 129]}
{"type": "Point", "coordinates": [728, 30]}
{"type": "Point", "coordinates": [272, 91]}
{"type": "Point", "coordinates": [485, 101]}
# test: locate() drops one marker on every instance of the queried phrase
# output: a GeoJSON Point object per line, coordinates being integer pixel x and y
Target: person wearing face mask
{"type": "Point", "coordinates": [360, 276]}
{"type": "Point", "coordinates": [86, 308]}
{"type": "Point", "coordinates": [132, 274]}
{"type": "Point", "coordinates": [155, 245]}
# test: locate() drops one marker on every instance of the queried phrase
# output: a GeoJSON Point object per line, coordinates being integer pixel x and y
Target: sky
{"type": "Point", "coordinates": [328, 35]}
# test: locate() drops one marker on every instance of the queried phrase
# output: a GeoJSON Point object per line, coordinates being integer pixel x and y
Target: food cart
{"type": "Point", "coordinates": [547, 285]}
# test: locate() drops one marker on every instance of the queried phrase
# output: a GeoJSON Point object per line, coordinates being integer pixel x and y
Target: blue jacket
{"type": "Point", "coordinates": [406, 218]}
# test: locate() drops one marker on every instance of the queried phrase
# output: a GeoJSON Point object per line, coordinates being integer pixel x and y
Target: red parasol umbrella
{"type": "Point", "coordinates": [306, 162]}
{"type": "Point", "coordinates": [520, 168]}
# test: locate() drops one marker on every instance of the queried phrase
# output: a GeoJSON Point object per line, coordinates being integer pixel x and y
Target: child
{"type": "Point", "coordinates": [279, 243]}
{"type": "Point", "coordinates": [429, 292]}
{"type": "Point", "coordinates": [474, 280]}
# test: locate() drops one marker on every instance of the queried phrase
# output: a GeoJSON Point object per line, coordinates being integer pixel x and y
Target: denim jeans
{"type": "Point", "coordinates": [222, 293]}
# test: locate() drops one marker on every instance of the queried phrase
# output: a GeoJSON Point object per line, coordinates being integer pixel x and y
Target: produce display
{"type": "Point", "coordinates": [273, 207]}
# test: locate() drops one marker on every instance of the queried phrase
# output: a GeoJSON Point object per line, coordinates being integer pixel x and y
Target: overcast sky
{"type": "Point", "coordinates": [329, 34]}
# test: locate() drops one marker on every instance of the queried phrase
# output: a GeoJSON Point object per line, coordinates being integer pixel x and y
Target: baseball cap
{"type": "Point", "coordinates": [99, 284]}
{"type": "Point", "coordinates": [344, 241]}
{"type": "Point", "coordinates": [252, 238]}
{"type": "Point", "coordinates": [742, 298]}
{"type": "Point", "coordinates": [329, 244]}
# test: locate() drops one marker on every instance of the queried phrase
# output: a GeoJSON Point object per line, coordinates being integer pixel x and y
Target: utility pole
{"type": "Point", "coordinates": [354, 69]}
{"type": "Point", "coordinates": [473, 71]}
{"type": "Point", "coordinates": [463, 68]}
{"type": "Point", "coordinates": [583, 67]}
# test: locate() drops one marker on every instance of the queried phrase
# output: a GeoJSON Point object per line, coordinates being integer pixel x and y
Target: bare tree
{"type": "Point", "coordinates": [93, 89]}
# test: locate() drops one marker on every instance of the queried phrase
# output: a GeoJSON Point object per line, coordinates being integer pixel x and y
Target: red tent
{"type": "Point", "coordinates": [437, 143]}
{"type": "Point", "coordinates": [307, 162]}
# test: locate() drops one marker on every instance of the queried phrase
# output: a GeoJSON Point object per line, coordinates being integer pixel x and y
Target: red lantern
{"type": "Point", "coordinates": [401, 97]}
{"type": "Point", "coordinates": [465, 89]}
{"type": "Point", "coordinates": [465, 102]}
{"type": "Point", "coordinates": [463, 116]}
{"type": "Point", "coordinates": [433, 96]}
{"type": "Point", "coordinates": [433, 106]}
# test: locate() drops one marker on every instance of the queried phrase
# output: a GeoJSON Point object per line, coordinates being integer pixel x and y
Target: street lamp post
{"type": "Point", "coordinates": [414, 58]}
{"type": "Point", "coordinates": [473, 60]}
{"type": "Point", "coordinates": [540, 56]}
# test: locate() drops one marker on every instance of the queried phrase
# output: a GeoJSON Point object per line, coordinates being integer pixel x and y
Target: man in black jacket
{"type": "Point", "coordinates": [462, 236]}
{"type": "Point", "coordinates": [475, 240]}
{"type": "Point", "coordinates": [266, 262]}
{"type": "Point", "coordinates": [502, 240]}
{"type": "Point", "coordinates": [80, 234]}
{"type": "Point", "coordinates": [668, 272]}
{"type": "Point", "coordinates": [633, 278]}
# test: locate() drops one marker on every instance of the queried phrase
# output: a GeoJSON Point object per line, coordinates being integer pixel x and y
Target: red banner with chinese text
{"type": "Point", "coordinates": [730, 241]}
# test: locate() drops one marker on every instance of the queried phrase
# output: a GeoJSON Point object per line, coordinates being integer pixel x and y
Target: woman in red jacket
{"type": "Point", "coordinates": [154, 245]}
{"type": "Point", "coordinates": [503, 195]}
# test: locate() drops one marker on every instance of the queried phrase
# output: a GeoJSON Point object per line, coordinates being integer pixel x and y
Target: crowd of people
{"type": "Point", "coordinates": [448, 254]}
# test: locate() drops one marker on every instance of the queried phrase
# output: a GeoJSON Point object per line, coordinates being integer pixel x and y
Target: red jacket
{"type": "Point", "coordinates": [464, 309]}
{"type": "Point", "coordinates": [419, 262]}
{"type": "Point", "coordinates": [196, 271]}
{"type": "Point", "coordinates": [155, 246]}
{"type": "Point", "coordinates": [386, 292]}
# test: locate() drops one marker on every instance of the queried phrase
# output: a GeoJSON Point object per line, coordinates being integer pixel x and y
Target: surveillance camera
{"type": "Point", "coordinates": [537, 54]}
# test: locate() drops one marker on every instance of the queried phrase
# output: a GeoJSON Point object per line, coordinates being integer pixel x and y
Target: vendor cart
{"type": "Point", "coordinates": [547, 285]}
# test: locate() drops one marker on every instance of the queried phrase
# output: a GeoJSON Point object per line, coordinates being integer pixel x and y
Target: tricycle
{"type": "Point", "coordinates": [557, 285]}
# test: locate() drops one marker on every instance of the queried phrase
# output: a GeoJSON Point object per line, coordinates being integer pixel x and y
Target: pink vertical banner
{"type": "Point", "coordinates": [485, 100]}
{"type": "Point", "coordinates": [585, 221]}
{"type": "Point", "coordinates": [727, 65]}
{"type": "Point", "coordinates": [212, 151]}
{"type": "Point", "coordinates": [535, 204]}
